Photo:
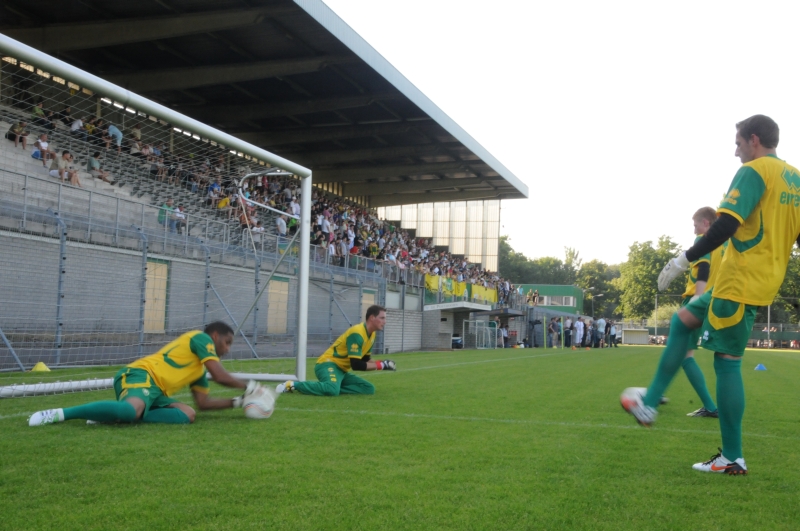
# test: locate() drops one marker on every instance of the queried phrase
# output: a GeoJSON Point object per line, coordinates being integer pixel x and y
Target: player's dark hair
{"type": "Point", "coordinates": [219, 327]}
{"type": "Point", "coordinates": [374, 311]}
{"type": "Point", "coordinates": [763, 127]}
{"type": "Point", "coordinates": [706, 213]}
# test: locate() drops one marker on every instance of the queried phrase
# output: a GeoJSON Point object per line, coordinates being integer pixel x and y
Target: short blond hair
{"type": "Point", "coordinates": [707, 213]}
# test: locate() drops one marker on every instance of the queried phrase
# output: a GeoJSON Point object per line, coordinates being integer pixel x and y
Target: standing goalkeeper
{"type": "Point", "coordinates": [350, 352]}
{"type": "Point", "coordinates": [144, 387]}
{"type": "Point", "coordinates": [761, 216]}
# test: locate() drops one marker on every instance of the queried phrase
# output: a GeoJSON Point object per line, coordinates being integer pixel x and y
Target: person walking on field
{"type": "Point", "coordinates": [350, 352]}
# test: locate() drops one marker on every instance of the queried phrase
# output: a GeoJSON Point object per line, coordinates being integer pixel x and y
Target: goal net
{"type": "Point", "coordinates": [480, 335]}
{"type": "Point", "coordinates": [92, 278]}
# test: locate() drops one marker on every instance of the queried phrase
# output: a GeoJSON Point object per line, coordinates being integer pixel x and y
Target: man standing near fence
{"type": "Point", "coordinates": [760, 215]}
{"type": "Point", "coordinates": [350, 352]}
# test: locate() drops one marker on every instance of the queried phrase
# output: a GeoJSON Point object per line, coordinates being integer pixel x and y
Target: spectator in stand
{"type": "Point", "coordinates": [94, 168]}
{"type": "Point", "coordinates": [45, 152]}
{"type": "Point", "coordinates": [38, 115]}
{"type": "Point", "coordinates": [214, 194]}
{"type": "Point", "coordinates": [342, 250]}
{"type": "Point", "coordinates": [257, 229]}
{"type": "Point", "coordinates": [18, 134]}
{"type": "Point", "coordinates": [136, 133]}
{"type": "Point", "coordinates": [65, 116]}
{"type": "Point", "coordinates": [165, 215]}
{"type": "Point", "coordinates": [280, 227]}
{"type": "Point", "coordinates": [295, 206]}
{"type": "Point", "coordinates": [113, 133]}
{"type": "Point", "coordinates": [77, 130]}
{"type": "Point", "coordinates": [179, 218]}
{"type": "Point", "coordinates": [244, 221]}
{"type": "Point", "coordinates": [63, 169]}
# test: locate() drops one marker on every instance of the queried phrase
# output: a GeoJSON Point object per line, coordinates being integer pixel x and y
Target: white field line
{"type": "Point", "coordinates": [587, 425]}
{"type": "Point", "coordinates": [401, 370]}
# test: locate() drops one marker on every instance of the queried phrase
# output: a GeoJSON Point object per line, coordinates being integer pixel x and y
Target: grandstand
{"type": "Point", "coordinates": [289, 77]}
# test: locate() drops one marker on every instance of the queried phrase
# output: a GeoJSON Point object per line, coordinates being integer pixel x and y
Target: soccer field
{"type": "Point", "coordinates": [478, 440]}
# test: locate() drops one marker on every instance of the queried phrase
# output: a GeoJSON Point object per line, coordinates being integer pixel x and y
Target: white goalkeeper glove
{"type": "Point", "coordinates": [672, 270]}
{"type": "Point", "coordinates": [253, 387]}
{"type": "Point", "coordinates": [386, 365]}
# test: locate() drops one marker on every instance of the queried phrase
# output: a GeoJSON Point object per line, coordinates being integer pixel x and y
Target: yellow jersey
{"type": "Point", "coordinates": [180, 363]}
{"type": "Point", "coordinates": [716, 261]}
{"type": "Point", "coordinates": [354, 343]}
{"type": "Point", "coordinates": [691, 284]}
{"type": "Point", "coordinates": [765, 197]}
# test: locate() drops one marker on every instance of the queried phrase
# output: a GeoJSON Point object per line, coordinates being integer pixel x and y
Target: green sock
{"type": "Point", "coordinates": [671, 358]}
{"type": "Point", "coordinates": [730, 393]}
{"type": "Point", "coordinates": [105, 411]}
{"type": "Point", "coordinates": [166, 415]}
{"type": "Point", "coordinates": [698, 381]}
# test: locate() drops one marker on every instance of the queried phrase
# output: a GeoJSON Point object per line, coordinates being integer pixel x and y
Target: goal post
{"type": "Point", "coordinates": [204, 264]}
{"type": "Point", "coordinates": [479, 334]}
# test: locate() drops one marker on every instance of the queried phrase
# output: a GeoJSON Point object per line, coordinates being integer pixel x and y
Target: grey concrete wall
{"type": "Point", "coordinates": [403, 331]}
{"type": "Point", "coordinates": [102, 303]}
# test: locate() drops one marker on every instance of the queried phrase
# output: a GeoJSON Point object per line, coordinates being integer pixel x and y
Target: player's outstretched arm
{"type": "Point", "coordinates": [205, 402]}
{"type": "Point", "coordinates": [223, 377]}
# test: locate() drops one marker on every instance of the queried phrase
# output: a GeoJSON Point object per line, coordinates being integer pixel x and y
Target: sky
{"type": "Point", "coordinates": [619, 116]}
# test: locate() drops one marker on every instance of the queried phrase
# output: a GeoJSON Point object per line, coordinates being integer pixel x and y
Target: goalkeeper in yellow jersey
{"type": "Point", "coordinates": [351, 351]}
{"type": "Point", "coordinates": [701, 279]}
{"type": "Point", "coordinates": [760, 215]}
{"type": "Point", "coordinates": [145, 387]}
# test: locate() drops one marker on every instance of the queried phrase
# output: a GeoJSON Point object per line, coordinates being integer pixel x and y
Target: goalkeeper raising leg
{"type": "Point", "coordinates": [144, 387]}
{"type": "Point", "coordinates": [350, 352]}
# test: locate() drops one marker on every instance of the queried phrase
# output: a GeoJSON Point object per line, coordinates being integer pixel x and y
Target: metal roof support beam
{"type": "Point", "coordinates": [383, 187]}
{"type": "Point", "coordinates": [65, 37]}
{"type": "Point", "coordinates": [200, 76]}
{"type": "Point", "coordinates": [236, 113]}
{"type": "Point", "coordinates": [376, 201]}
{"type": "Point", "coordinates": [325, 134]}
{"type": "Point", "coordinates": [380, 172]}
{"type": "Point", "coordinates": [320, 158]}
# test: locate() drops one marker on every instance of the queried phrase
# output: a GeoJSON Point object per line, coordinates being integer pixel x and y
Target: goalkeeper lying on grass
{"type": "Point", "coordinates": [144, 387]}
{"type": "Point", "coordinates": [351, 351]}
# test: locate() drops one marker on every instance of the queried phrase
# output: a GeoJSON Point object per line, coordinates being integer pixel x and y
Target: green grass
{"type": "Point", "coordinates": [479, 440]}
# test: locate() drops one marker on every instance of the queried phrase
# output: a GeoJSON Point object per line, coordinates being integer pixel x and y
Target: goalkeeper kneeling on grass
{"type": "Point", "coordinates": [144, 387]}
{"type": "Point", "coordinates": [350, 352]}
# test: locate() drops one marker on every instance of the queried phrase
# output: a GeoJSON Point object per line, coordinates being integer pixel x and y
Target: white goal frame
{"type": "Point", "coordinates": [53, 66]}
{"type": "Point", "coordinates": [479, 335]}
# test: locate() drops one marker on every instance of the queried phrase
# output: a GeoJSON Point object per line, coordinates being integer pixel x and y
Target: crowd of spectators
{"type": "Point", "coordinates": [582, 333]}
{"type": "Point", "coordinates": [340, 228]}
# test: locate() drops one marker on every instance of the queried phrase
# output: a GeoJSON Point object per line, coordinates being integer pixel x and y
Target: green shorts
{"type": "Point", "coordinates": [726, 324]}
{"type": "Point", "coordinates": [137, 383]}
{"type": "Point", "coordinates": [694, 335]}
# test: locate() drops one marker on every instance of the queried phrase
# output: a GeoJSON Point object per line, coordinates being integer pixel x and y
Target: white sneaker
{"type": "Point", "coordinates": [721, 465]}
{"type": "Point", "coordinates": [91, 422]}
{"type": "Point", "coordinates": [286, 387]}
{"type": "Point", "coordinates": [48, 416]}
{"type": "Point", "coordinates": [631, 400]}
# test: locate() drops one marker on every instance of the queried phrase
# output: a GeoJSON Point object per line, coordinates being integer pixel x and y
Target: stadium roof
{"type": "Point", "coordinates": [286, 75]}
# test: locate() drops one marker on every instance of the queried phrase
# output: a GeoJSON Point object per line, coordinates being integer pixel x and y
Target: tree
{"type": "Point", "coordinates": [519, 269]}
{"type": "Point", "coordinates": [572, 264]}
{"type": "Point", "coordinates": [596, 274]}
{"type": "Point", "coordinates": [638, 282]}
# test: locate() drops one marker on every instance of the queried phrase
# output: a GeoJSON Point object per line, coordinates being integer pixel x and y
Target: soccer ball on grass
{"type": "Point", "coordinates": [259, 405]}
